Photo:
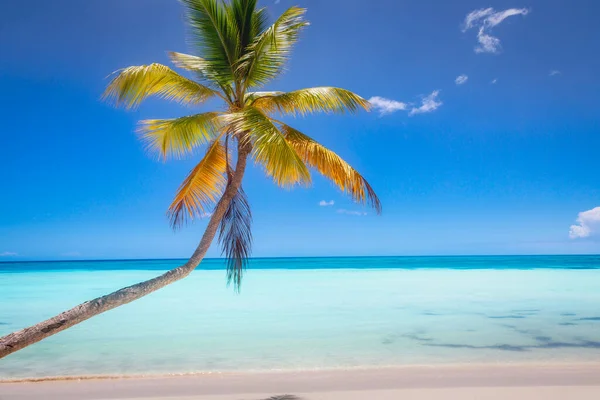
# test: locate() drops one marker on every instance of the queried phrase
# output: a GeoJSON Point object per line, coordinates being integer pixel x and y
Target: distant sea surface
{"type": "Point", "coordinates": [308, 313]}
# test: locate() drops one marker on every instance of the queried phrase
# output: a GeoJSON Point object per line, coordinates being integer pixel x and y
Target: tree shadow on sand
{"type": "Point", "coordinates": [284, 397]}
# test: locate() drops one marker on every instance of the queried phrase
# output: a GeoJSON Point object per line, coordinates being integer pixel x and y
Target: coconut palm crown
{"type": "Point", "coordinates": [237, 53]}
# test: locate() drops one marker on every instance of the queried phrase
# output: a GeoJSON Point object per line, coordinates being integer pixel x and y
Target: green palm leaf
{"type": "Point", "coordinates": [259, 25]}
{"type": "Point", "coordinates": [269, 147]}
{"type": "Point", "coordinates": [266, 56]}
{"type": "Point", "coordinates": [242, 13]}
{"type": "Point", "coordinates": [134, 84]}
{"type": "Point", "coordinates": [179, 136]}
{"type": "Point", "coordinates": [304, 101]}
{"type": "Point", "coordinates": [217, 35]}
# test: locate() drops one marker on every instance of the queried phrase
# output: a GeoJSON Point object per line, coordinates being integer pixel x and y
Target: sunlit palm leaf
{"type": "Point", "coordinates": [215, 32]}
{"type": "Point", "coordinates": [270, 148]}
{"type": "Point", "coordinates": [318, 99]}
{"type": "Point", "coordinates": [266, 56]}
{"type": "Point", "coordinates": [332, 166]}
{"type": "Point", "coordinates": [201, 67]}
{"type": "Point", "coordinates": [134, 84]}
{"type": "Point", "coordinates": [179, 136]}
{"type": "Point", "coordinates": [202, 187]}
{"type": "Point", "coordinates": [235, 236]}
{"type": "Point", "coordinates": [189, 62]}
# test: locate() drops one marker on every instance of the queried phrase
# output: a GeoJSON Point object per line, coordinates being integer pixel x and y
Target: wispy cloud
{"type": "Point", "coordinates": [324, 203]}
{"type": "Point", "coordinates": [494, 81]}
{"type": "Point", "coordinates": [588, 224]}
{"type": "Point", "coordinates": [8, 254]}
{"type": "Point", "coordinates": [554, 72]}
{"type": "Point", "coordinates": [500, 16]}
{"type": "Point", "coordinates": [428, 104]}
{"type": "Point", "coordinates": [475, 16]}
{"type": "Point", "coordinates": [387, 106]}
{"type": "Point", "coordinates": [350, 212]}
{"type": "Point", "coordinates": [206, 215]}
{"type": "Point", "coordinates": [461, 79]}
{"type": "Point", "coordinates": [485, 19]}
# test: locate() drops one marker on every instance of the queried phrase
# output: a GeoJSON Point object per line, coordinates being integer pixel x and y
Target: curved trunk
{"type": "Point", "coordinates": [33, 334]}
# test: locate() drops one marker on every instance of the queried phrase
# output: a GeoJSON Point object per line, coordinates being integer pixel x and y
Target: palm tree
{"type": "Point", "coordinates": [238, 52]}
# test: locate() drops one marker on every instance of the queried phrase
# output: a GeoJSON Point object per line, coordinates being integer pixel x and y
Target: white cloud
{"type": "Point", "coordinates": [8, 254]}
{"type": "Point", "coordinates": [350, 212]}
{"type": "Point", "coordinates": [500, 16]}
{"type": "Point", "coordinates": [324, 203]}
{"type": "Point", "coordinates": [461, 79]}
{"type": "Point", "coordinates": [485, 19]}
{"type": "Point", "coordinates": [206, 215]}
{"type": "Point", "coordinates": [387, 106]}
{"type": "Point", "coordinates": [428, 104]}
{"type": "Point", "coordinates": [487, 43]}
{"type": "Point", "coordinates": [475, 16]}
{"type": "Point", "coordinates": [588, 223]}
{"type": "Point", "coordinates": [554, 72]}
{"type": "Point", "coordinates": [494, 81]}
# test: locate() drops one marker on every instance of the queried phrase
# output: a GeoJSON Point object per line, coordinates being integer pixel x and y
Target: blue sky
{"type": "Point", "coordinates": [502, 163]}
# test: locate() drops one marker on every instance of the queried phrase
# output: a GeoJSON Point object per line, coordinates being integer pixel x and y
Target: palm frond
{"type": "Point", "coordinates": [242, 12]}
{"type": "Point", "coordinates": [203, 69]}
{"type": "Point", "coordinates": [178, 136]}
{"type": "Point", "coordinates": [332, 166]}
{"type": "Point", "coordinates": [216, 34]}
{"type": "Point", "coordinates": [202, 187]}
{"type": "Point", "coordinates": [134, 84]}
{"type": "Point", "coordinates": [189, 62]}
{"type": "Point", "coordinates": [304, 101]}
{"type": "Point", "coordinates": [269, 147]}
{"type": "Point", "coordinates": [266, 56]}
{"type": "Point", "coordinates": [259, 24]}
{"type": "Point", "coordinates": [235, 236]}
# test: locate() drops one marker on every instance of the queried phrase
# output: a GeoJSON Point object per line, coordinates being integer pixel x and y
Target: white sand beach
{"type": "Point", "coordinates": [486, 382]}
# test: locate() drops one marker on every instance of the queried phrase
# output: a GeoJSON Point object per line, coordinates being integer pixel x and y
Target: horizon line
{"type": "Point", "coordinates": [304, 257]}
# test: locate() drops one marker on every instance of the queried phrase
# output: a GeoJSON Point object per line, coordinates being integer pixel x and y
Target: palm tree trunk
{"type": "Point", "coordinates": [33, 334]}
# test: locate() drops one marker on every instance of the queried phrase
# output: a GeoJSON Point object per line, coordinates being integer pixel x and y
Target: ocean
{"type": "Point", "coordinates": [308, 313]}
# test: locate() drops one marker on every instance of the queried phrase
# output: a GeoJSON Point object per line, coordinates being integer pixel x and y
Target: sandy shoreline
{"type": "Point", "coordinates": [552, 381]}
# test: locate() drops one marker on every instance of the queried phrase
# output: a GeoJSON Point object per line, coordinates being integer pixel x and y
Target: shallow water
{"type": "Point", "coordinates": [309, 313]}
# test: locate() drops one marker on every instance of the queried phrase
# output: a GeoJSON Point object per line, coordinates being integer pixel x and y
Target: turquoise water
{"type": "Point", "coordinates": [309, 313]}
